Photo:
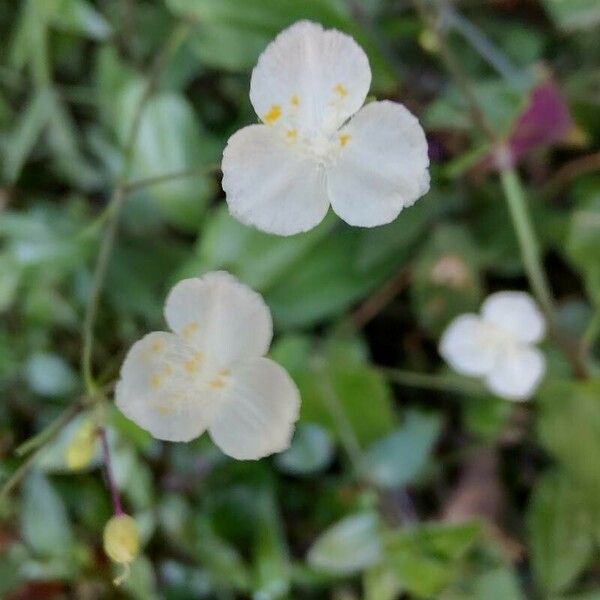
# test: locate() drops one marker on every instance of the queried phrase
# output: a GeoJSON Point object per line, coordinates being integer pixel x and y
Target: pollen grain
{"type": "Point", "coordinates": [189, 330]}
{"type": "Point", "coordinates": [155, 381]}
{"type": "Point", "coordinates": [273, 114]}
{"type": "Point", "coordinates": [340, 90]}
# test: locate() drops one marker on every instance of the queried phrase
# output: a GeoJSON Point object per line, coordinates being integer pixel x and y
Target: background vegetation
{"type": "Point", "coordinates": [403, 479]}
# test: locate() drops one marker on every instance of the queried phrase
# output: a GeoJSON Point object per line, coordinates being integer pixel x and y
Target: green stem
{"type": "Point", "coordinates": [50, 430]}
{"type": "Point", "coordinates": [441, 383]}
{"type": "Point", "coordinates": [140, 184]}
{"type": "Point", "coordinates": [515, 198]}
{"type": "Point", "coordinates": [16, 477]}
{"type": "Point", "coordinates": [113, 211]}
{"type": "Point", "coordinates": [108, 241]}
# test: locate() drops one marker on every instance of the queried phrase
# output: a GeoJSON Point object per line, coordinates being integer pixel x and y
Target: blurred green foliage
{"type": "Point", "coordinates": [383, 493]}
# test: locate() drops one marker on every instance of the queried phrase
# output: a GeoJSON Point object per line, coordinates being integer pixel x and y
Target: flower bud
{"type": "Point", "coordinates": [121, 539]}
{"type": "Point", "coordinates": [82, 447]}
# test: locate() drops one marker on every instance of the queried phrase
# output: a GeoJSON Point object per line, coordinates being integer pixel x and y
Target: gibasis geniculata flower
{"type": "Point", "coordinates": [316, 146]}
{"type": "Point", "coordinates": [210, 373]}
{"type": "Point", "coordinates": [499, 345]}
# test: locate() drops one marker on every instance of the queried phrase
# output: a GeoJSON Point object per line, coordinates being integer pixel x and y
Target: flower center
{"type": "Point", "coordinates": [321, 143]}
{"type": "Point", "coordinates": [495, 337]}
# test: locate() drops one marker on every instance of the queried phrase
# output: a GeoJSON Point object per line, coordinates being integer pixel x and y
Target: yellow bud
{"type": "Point", "coordinates": [121, 539]}
{"type": "Point", "coordinates": [82, 447]}
{"type": "Point", "coordinates": [429, 41]}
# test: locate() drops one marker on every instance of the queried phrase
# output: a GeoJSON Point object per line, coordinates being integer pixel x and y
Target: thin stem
{"type": "Point", "coordinates": [482, 44]}
{"type": "Point", "coordinates": [99, 274]}
{"type": "Point", "coordinates": [575, 168]}
{"type": "Point", "coordinates": [50, 430]}
{"type": "Point", "coordinates": [110, 479]}
{"type": "Point", "coordinates": [375, 303]}
{"type": "Point", "coordinates": [135, 186]}
{"type": "Point", "coordinates": [453, 66]}
{"type": "Point", "coordinates": [36, 444]}
{"type": "Point", "coordinates": [515, 198]}
{"type": "Point", "coordinates": [427, 381]}
{"type": "Point", "coordinates": [114, 208]}
{"type": "Point", "coordinates": [18, 475]}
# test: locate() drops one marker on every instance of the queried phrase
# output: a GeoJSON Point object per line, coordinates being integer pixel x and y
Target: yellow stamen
{"type": "Point", "coordinates": [273, 114]}
{"type": "Point", "coordinates": [217, 383]}
{"type": "Point", "coordinates": [294, 100]}
{"type": "Point", "coordinates": [157, 346]}
{"type": "Point", "coordinates": [291, 134]}
{"type": "Point", "coordinates": [189, 330]}
{"type": "Point", "coordinates": [224, 372]}
{"type": "Point", "coordinates": [344, 138]}
{"type": "Point", "coordinates": [155, 381]}
{"type": "Point", "coordinates": [193, 364]}
{"type": "Point", "coordinates": [340, 89]}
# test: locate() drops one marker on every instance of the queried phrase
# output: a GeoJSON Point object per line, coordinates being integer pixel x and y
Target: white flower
{"type": "Point", "coordinates": [499, 345]}
{"type": "Point", "coordinates": [211, 373]}
{"type": "Point", "coordinates": [281, 176]}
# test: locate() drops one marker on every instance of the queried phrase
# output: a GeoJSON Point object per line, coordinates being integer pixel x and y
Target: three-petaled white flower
{"type": "Point", "coordinates": [282, 175]}
{"type": "Point", "coordinates": [498, 345]}
{"type": "Point", "coordinates": [211, 373]}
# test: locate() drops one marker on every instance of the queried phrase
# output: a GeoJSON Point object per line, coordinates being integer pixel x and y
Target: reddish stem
{"type": "Point", "coordinates": [110, 480]}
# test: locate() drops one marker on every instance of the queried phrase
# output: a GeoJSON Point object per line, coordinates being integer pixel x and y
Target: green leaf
{"type": "Point", "coordinates": [498, 584]}
{"type": "Point", "coordinates": [571, 411]}
{"type": "Point", "coordinates": [395, 241]}
{"type": "Point", "coordinates": [78, 16]}
{"type": "Point", "coordinates": [349, 546]}
{"type": "Point", "coordinates": [49, 374]}
{"type": "Point", "coordinates": [259, 259]}
{"type": "Point", "coordinates": [401, 456]}
{"type": "Point", "coordinates": [426, 558]}
{"type": "Point", "coordinates": [271, 561]}
{"type": "Point", "coordinates": [326, 282]}
{"type": "Point", "coordinates": [583, 241]}
{"type": "Point", "coordinates": [10, 276]}
{"type": "Point", "coordinates": [311, 451]}
{"type": "Point", "coordinates": [380, 583]}
{"type": "Point", "coordinates": [27, 131]}
{"type": "Point", "coordinates": [358, 390]}
{"type": "Point", "coordinates": [486, 416]}
{"type": "Point", "coordinates": [559, 525]}
{"type": "Point", "coordinates": [222, 561]}
{"type": "Point", "coordinates": [499, 100]}
{"type": "Point", "coordinates": [251, 25]}
{"type": "Point", "coordinates": [169, 140]}
{"type": "Point", "coordinates": [44, 521]}
{"type": "Point", "coordinates": [572, 15]}
{"type": "Point", "coordinates": [141, 582]}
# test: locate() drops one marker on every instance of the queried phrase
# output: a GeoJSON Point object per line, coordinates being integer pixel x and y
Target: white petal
{"type": "Point", "coordinates": [258, 409]}
{"type": "Point", "coordinates": [517, 374]}
{"type": "Point", "coordinates": [313, 78]}
{"type": "Point", "coordinates": [517, 313]}
{"type": "Point", "coordinates": [465, 347]}
{"type": "Point", "coordinates": [271, 186]}
{"type": "Point", "coordinates": [382, 165]}
{"type": "Point", "coordinates": [220, 316]}
{"type": "Point", "coordinates": [157, 393]}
